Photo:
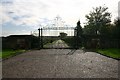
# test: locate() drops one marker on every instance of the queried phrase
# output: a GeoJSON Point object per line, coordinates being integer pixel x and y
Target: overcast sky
{"type": "Point", "coordinates": [23, 16]}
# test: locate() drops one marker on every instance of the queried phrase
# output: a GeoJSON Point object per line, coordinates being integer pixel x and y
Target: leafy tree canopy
{"type": "Point", "coordinates": [98, 21]}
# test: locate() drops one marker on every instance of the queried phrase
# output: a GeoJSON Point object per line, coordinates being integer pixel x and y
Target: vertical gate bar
{"type": "Point", "coordinates": [41, 38]}
{"type": "Point", "coordinates": [74, 38]}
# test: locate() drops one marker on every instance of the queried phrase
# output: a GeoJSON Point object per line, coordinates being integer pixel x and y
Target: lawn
{"type": "Point", "coordinates": [114, 53]}
{"type": "Point", "coordinates": [8, 53]}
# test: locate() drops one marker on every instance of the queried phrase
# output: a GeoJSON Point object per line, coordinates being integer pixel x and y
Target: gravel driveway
{"type": "Point", "coordinates": [60, 63]}
{"type": "Point", "coordinates": [57, 44]}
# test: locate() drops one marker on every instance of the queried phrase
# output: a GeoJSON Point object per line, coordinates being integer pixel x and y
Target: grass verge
{"type": "Point", "coordinates": [113, 53]}
{"type": "Point", "coordinates": [9, 53]}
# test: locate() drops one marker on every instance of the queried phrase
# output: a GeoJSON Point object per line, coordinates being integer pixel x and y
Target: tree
{"type": "Point", "coordinates": [116, 31]}
{"type": "Point", "coordinates": [98, 21]}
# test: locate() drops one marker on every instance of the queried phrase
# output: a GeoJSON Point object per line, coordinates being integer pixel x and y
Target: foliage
{"type": "Point", "coordinates": [70, 41]}
{"type": "Point", "coordinates": [98, 21]}
{"type": "Point", "coordinates": [116, 29]}
{"type": "Point", "coordinates": [48, 40]}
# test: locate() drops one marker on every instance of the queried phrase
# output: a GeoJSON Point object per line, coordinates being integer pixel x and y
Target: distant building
{"type": "Point", "coordinates": [19, 42]}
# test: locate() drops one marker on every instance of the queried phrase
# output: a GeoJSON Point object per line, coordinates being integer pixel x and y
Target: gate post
{"type": "Point", "coordinates": [39, 38]}
{"type": "Point", "coordinates": [75, 38]}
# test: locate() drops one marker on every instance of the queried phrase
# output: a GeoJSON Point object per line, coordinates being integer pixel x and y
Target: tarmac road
{"type": "Point", "coordinates": [60, 63]}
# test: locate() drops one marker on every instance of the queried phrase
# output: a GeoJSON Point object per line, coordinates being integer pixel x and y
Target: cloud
{"type": "Point", "coordinates": [22, 12]}
{"type": "Point", "coordinates": [27, 15]}
{"type": "Point", "coordinates": [36, 12]}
